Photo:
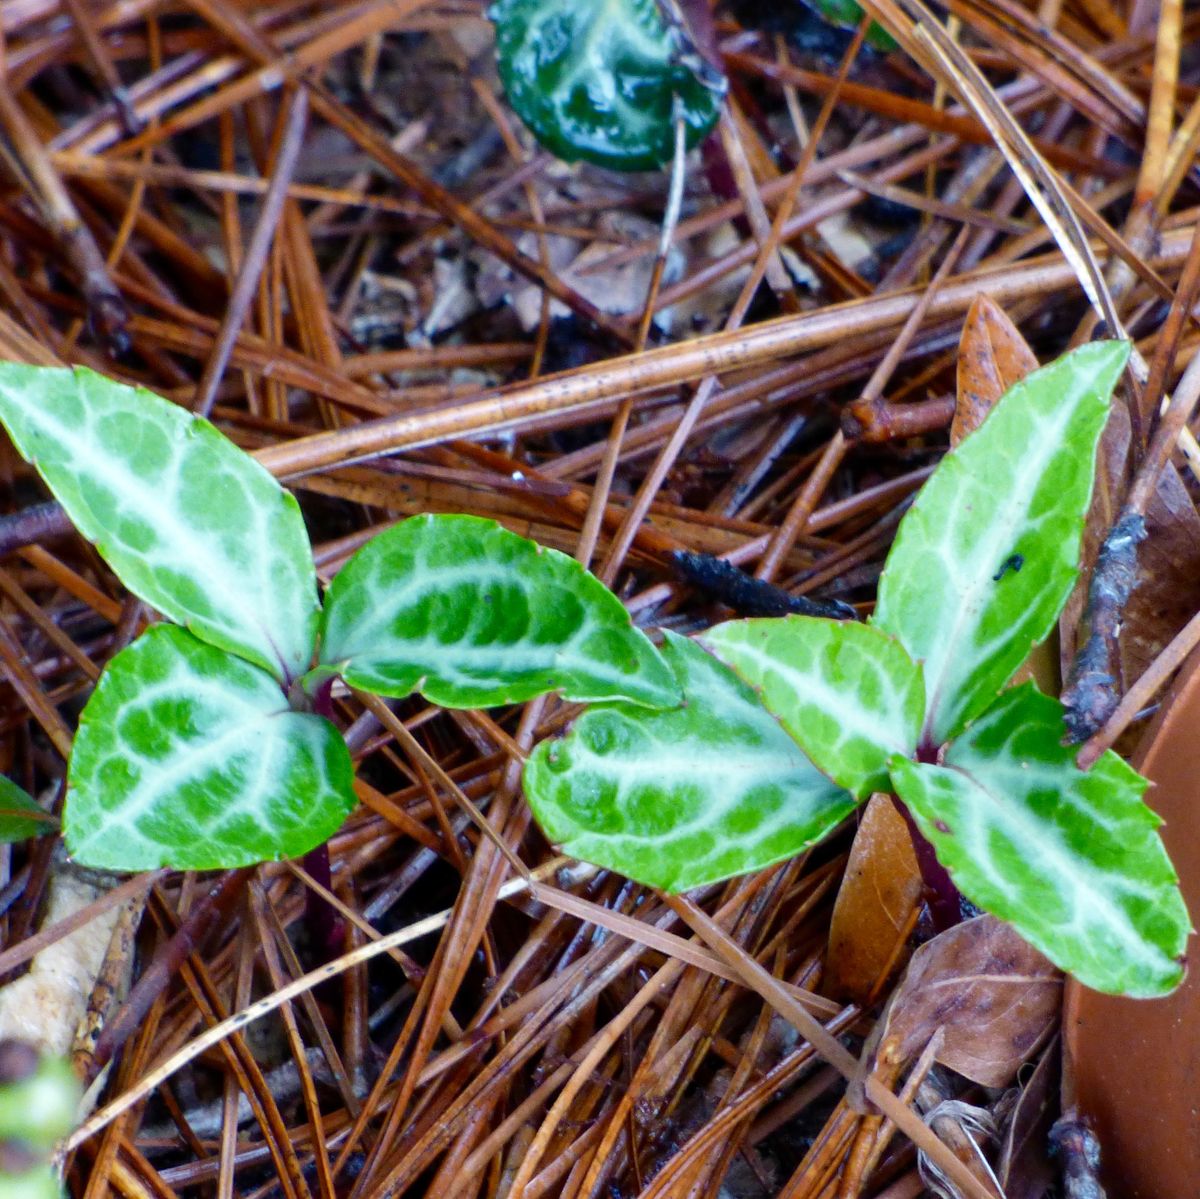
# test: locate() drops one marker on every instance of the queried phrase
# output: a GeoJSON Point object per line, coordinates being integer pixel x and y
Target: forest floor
{"type": "Point", "coordinates": [446, 318]}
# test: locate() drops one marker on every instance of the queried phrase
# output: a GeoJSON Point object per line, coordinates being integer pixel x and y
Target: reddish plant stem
{"type": "Point", "coordinates": [325, 926]}
{"type": "Point", "coordinates": [941, 895]}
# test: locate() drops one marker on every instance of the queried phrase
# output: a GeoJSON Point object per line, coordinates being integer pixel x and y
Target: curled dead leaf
{"type": "Point", "coordinates": [995, 998]}
{"type": "Point", "coordinates": [992, 356]}
{"type": "Point", "coordinates": [872, 915]}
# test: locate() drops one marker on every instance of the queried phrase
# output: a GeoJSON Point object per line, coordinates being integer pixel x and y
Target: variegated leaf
{"type": "Point", "coordinates": [189, 757]}
{"type": "Point", "coordinates": [848, 693]}
{"type": "Point", "coordinates": [604, 80]}
{"type": "Point", "coordinates": [471, 615]}
{"type": "Point", "coordinates": [190, 523]}
{"type": "Point", "coordinates": [1071, 859]}
{"type": "Point", "coordinates": [987, 555]}
{"type": "Point", "coordinates": [686, 796]}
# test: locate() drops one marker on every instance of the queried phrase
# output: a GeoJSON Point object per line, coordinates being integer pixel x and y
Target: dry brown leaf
{"type": "Point", "coordinates": [1025, 1169]}
{"type": "Point", "coordinates": [995, 998]}
{"type": "Point", "coordinates": [1167, 592]}
{"type": "Point", "coordinates": [879, 890]}
{"type": "Point", "coordinates": [992, 356]}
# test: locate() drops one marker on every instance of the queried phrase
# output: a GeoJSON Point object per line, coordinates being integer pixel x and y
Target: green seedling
{"type": "Point", "coordinates": [913, 703]}
{"type": "Point", "coordinates": [207, 742]}
{"type": "Point", "coordinates": [605, 80]}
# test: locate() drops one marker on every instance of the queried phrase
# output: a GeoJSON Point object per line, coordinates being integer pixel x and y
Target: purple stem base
{"type": "Point", "coordinates": [942, 896]}
{"type": "Point", "coordinates": [325, 925]}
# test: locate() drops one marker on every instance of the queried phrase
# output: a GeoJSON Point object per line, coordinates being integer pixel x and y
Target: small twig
{"type": "Point", "coordinates": [668, 366]}
{"type": "Point", "coordinates": [884, 421]}
{"type": "Point", "coordinates": [1140, 694]}
{"type": "Point", "coordinates": [30, 526]}
{"type": "Point", "coordinates": [745, 594]}
{"type": "Point", "coordinates": [1091, 698]}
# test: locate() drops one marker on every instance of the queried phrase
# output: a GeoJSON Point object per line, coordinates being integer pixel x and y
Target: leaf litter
{"type": "Point", "coordinates": [388, 291]}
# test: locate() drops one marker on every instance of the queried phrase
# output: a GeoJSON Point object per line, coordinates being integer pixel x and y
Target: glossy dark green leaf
{"type": "Point", "coordinates": [846, 14]}
{"type": "Point", "coordinates": [686, 796]}
{"type": "Point", "coordinates": [1071, 859]}
{"type": "Point", "coordinates": [189, 757]}
{"type": "Point", "coordinates": [602, 80]}
{"type": "Point", "coordinates": [471, 616]}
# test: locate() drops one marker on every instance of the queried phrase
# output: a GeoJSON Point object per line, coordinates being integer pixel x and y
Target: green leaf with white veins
{"type": "Point", "coordinates": [683, 797]}
{"type": "Point", "coordinates": [190, 758]}
{"type": "Point", "coordinates": [190, 523]}
{"type": "Point", "coordinates": [987, 555]}
{"type": "Point", "coordinates": [471, 615]}
{"type": "Point", "coordinates": [848, 693]}
{"type": "Point", "coordinates": [1071, 859]}
{"type": "Point", "coordinates": [604, 80]}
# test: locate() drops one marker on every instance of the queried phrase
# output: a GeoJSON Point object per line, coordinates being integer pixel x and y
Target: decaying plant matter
{"type": "Point", "coordinates": [326, 227]}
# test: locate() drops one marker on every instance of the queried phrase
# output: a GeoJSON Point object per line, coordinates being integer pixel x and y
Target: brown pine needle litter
{"type": "Point", "coordinates": [322, 226]}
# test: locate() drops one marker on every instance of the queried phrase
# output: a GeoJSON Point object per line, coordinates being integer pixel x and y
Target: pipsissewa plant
{"type": "Point", "coordinates": [605, 80]}
{"type": "Point", "coordinates": [208, 745]}
{"type": "Point", "coordinates": [914, 703]}
{"type": "Point", "coordinates": [206, 742]}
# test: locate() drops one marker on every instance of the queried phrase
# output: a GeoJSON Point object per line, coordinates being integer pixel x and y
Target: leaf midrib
{"type": "Point", "coordinates": [1002, 534]}
{"type": "Point", "coordinates": [1064, 864]}
{"type": "Point", "coordinates": [200, 562]}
